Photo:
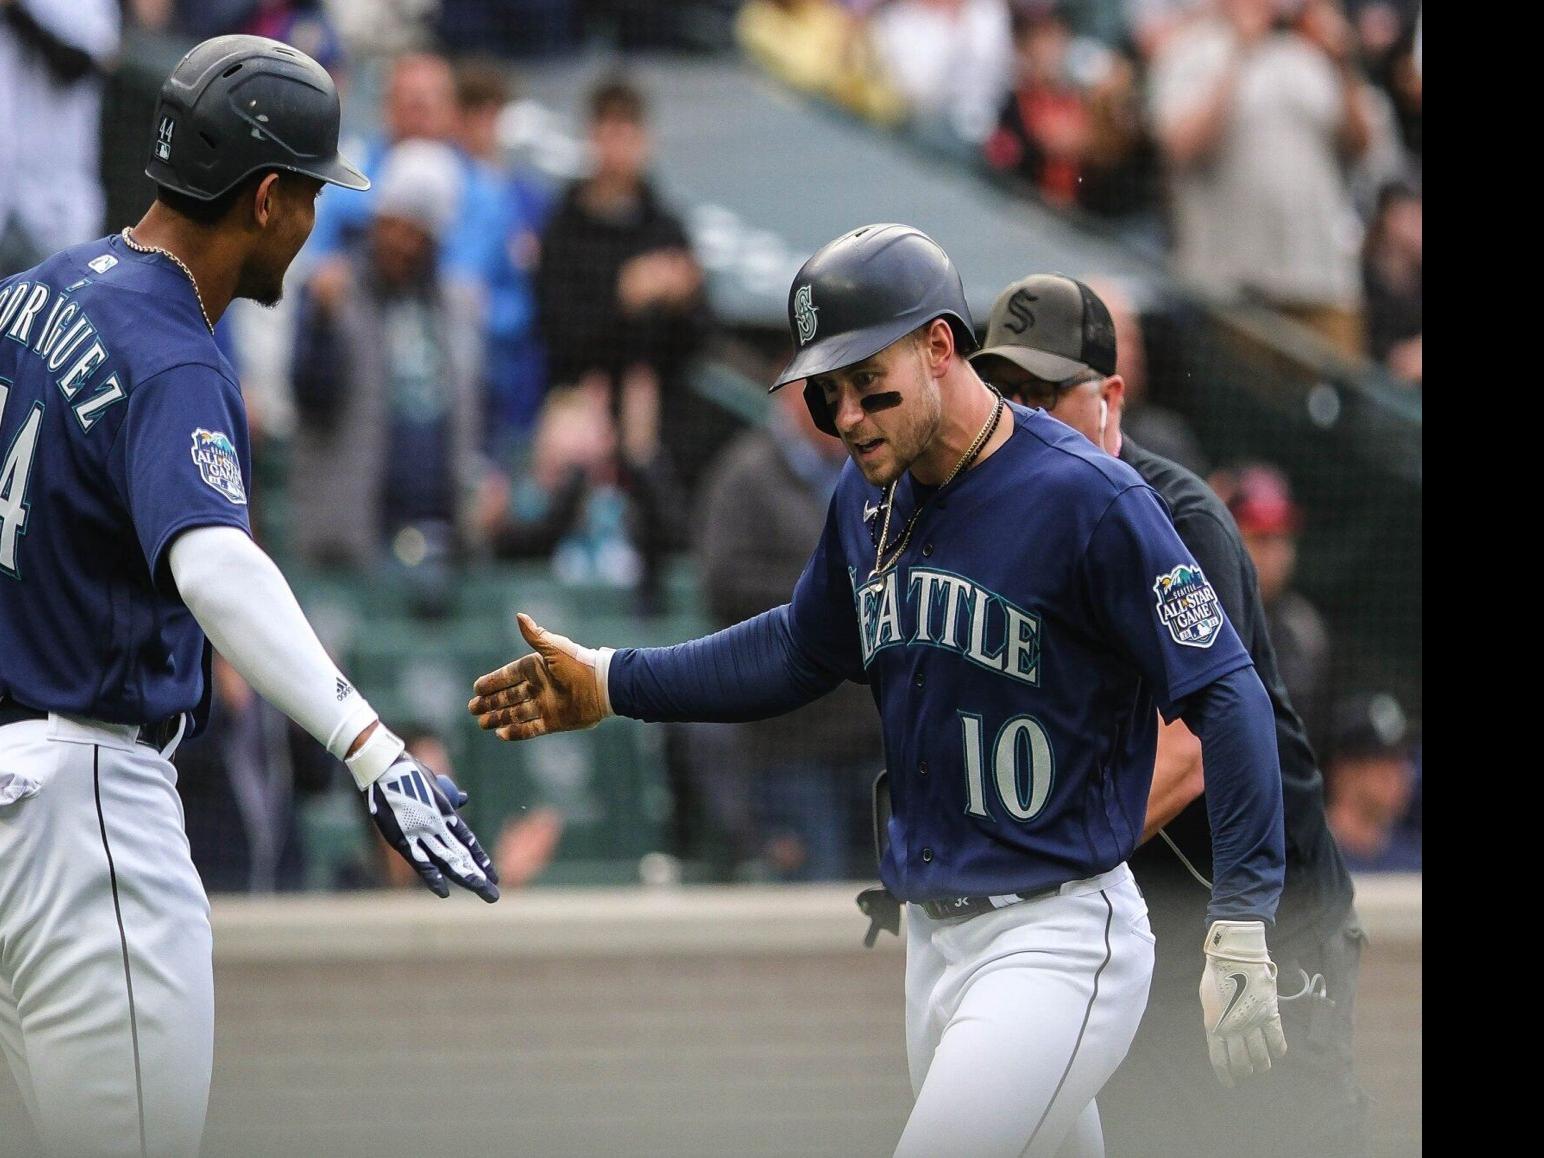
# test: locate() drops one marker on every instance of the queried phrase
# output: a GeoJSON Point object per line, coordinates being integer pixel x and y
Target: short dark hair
{"type": "Point", "coordinates": [210, 213]}
{"type": "Point", "coordinates": [617, 98]}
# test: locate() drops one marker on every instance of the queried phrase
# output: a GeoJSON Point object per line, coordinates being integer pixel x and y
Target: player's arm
{"type": "Point", "coordinates": [1186, 648]}
{"type": "Point", "coordinates": [764, 666]}
{"type": "Point", "coordinates": [241, 600]}
{"type": "Point", "coordinates": [178, 462]}
{"type": "Point", "coordinates": [1179, 774]}
{"type": "Point", "coordinates": [1177, 636]}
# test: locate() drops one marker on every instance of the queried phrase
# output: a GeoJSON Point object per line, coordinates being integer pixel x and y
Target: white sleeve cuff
{"type": "Point", "coordinates": [603, 677]}
{"type": "Point", "coordinates": [375, 755]}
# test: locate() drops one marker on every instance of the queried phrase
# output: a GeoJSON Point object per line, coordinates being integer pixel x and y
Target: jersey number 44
{"type": "Point", "coordinates": [15, 469]}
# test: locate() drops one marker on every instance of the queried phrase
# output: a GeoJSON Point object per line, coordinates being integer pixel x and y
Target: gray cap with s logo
{"type": "Point", "coordinates": [1052, 326]}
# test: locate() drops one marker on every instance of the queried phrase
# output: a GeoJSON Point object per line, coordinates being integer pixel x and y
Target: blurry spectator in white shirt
{"type": "Point", "coordinates": [53, 56]}
{"type": "Point", "coordinates": [1258, 119]}
{"type": "Point", "coordinates": [952, 60]}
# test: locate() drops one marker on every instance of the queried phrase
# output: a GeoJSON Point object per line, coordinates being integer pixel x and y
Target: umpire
{"type": "Point", "coordinates": [1051, 343]}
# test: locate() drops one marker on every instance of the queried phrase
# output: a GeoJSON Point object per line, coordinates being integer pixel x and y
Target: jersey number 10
{"type": "Point", "coordinates": [1022, 769]}
{"type": "Point", "coordinates": [14, 471]}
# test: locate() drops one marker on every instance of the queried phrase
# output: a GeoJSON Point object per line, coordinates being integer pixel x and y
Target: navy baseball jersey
{"type": "Point", "coordinates": [1016, 654]}
{"type": "Point", "coordinates": [1043, 607]}
{"type": "Point", "coordinates": [121, 426]}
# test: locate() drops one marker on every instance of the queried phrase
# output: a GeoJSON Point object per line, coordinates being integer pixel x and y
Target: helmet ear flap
{"type": "Point", "coordinates": [815, 399]}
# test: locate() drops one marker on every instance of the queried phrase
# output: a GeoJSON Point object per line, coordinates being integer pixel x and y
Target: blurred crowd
{"type": "Point", "coordinates": [1271, 147]}
{"type": "Point", "coordinates": [478, 362]}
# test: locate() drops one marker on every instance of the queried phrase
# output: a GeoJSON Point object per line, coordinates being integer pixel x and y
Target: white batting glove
{"type": "Point", "coordinates": [1238, 1001]}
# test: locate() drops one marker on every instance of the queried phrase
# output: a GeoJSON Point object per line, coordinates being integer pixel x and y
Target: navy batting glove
{"type": "Point", "coordinates": [413, 810]}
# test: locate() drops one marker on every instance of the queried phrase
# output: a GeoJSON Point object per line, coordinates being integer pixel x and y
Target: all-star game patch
{"type": "Point", "coordinates": [215, 456]}
{"type": "Point", "coordinates": [1188, 606]}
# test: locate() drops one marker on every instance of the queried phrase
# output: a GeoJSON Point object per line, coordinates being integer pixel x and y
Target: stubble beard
{"type": "Point", "coordinates": [909, 443]}
{"type": "Point", "coordinates": [265, 287]}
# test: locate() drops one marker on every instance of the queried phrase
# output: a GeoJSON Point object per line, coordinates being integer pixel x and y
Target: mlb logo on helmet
{"type": "Point", "coordinates": [1188, 606]}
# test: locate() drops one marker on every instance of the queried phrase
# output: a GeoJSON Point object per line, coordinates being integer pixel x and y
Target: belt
{"type": "Point", "coordinates": [157, 735]}
{"type": "Point", "coordinates": [974, 906]}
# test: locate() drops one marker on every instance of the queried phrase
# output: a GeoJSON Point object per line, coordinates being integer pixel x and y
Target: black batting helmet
{"type": "Point", "coordinates": [235, 105]}
{"type": "Point", "coordinates": [861, 292]}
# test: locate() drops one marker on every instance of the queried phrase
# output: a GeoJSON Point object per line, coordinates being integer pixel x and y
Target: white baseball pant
{"type": "Point", "coordinates": [1016, 1018]}
{"type": "Point", "coordinates": [106, 966]}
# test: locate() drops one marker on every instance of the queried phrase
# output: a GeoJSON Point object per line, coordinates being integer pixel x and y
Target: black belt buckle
{"type": "Point", "coordinates": [160, 733]}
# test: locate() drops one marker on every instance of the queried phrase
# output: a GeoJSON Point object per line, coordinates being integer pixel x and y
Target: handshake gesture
{"type": "Point", "coordinates": [560, 687]}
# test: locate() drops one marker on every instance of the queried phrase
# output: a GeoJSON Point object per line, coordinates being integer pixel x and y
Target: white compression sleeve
{"type": "Point", "coordinates": [244, 605]}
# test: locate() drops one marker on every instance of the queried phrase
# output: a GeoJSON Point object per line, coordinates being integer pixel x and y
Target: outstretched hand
{"type": "Point", "coordinates": [416, 813]}
{"type": "Point", "coordinates": [557, 688]}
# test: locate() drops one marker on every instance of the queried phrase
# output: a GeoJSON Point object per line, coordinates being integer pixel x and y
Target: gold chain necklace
{"type": "Point", "coordinates": [982, 437]}
{"type": "Point", "coordinates": [138, 248]}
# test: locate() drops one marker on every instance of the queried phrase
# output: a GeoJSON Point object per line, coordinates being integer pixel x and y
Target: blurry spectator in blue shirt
{"type": "Point", "coordinates": [503, 212]}
{"type": "Point", "coordinates": [420, 103]}
{"type": "Point", "coordinates": [1372, 782]}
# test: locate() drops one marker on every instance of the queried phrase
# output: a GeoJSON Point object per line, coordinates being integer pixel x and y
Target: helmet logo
{"type": "Point", "coordinates": [804, 312]}
{"type": "Point", "coordinates": [163, 138]}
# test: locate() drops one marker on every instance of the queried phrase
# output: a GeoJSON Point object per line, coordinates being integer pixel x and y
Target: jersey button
{"type": "Point", "coordinates": [927, 856]}
{"type": "Point", "coordinates": [919, 679]}
{"type": "Point", "coordinates": [927, 550]}
{"type": "Point", "coordinates": [922, 768]}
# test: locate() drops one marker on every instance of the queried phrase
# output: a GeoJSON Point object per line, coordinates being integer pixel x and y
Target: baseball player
{"type": "Point", "coordinates": [1015, 653]}
{"type": "Point", "coordinates": [125, 550]}
{"type": "Point", "coordinates": [1051, 343]}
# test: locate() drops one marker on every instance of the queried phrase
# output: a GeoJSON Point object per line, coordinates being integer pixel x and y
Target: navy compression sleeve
{"type": "Point", "coordinates": [750, 671]}
{"type": "Point", "coordinates": [1233, 718]}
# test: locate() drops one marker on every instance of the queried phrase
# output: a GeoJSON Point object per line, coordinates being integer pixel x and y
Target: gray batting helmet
{"type": "Point", "coordinates": [235, 105]}
{"type": "Point", "coordinates": [863, 291]}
